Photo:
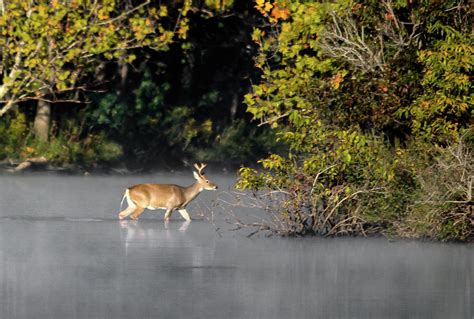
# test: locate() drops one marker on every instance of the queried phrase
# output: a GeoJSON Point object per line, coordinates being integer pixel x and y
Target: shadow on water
{"type": "Point", "coordinates": [63, 254]}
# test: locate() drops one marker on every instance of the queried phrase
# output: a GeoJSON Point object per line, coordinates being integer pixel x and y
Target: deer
{"type": "Point", "coordinates": [164, 196]}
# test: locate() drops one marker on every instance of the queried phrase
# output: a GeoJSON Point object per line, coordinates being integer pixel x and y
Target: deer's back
{"type": "Point", "coordinates": [154, 196]}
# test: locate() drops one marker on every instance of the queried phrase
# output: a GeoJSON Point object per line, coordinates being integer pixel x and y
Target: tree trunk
{"type": "Point", "coordinates": [42, 120]}
{"type": "Point", "coordinates": [234, 104]}
{"type": "Point", "coordinates": [187, 79]}
{"type": "Point", "coordinates": [123, 69]}
{"type": "Point", "coordinates": [43, 109]}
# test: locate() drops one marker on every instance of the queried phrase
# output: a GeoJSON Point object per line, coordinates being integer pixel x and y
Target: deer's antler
{"type": "Point", "coordinates": [200, 168]}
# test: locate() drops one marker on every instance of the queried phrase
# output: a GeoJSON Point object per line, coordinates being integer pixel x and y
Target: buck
{"type": "Point", "coordinates": [164, 196]}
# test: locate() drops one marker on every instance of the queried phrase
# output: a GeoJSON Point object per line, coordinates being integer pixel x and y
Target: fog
{"type": "Point", "coordinates": [65, 254]}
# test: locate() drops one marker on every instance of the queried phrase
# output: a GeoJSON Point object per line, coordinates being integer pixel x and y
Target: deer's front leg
{"type": "Point", "coordinates": [185, 214]}
{"type": "Point", "coordinates": [168, 214]}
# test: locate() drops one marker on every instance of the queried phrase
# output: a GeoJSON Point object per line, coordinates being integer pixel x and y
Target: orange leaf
{"type": "Point", "coordinates": [336, 81]}
{"type": "Point", "coordinates": [389, 17]}
{"type": "Point", "coordinates": [356, 7]}
{"type": "Point", "coordinates": [278, 13]}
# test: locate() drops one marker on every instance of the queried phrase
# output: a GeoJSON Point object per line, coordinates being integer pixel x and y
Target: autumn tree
{"type": "Point", "coordinates": [48, 47]}
{"type": "Point", "coordinates": [352, 87]}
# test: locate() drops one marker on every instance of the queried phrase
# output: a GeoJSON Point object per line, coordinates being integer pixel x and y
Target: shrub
{"type": "Point", "coordinates": [13, 131]}
{"type": "Point", "coordinates": [443, 203]}
{"type": "Point", "coordinates": [366, 123]}
{"type": "Point", "coordinates": [66, 145]}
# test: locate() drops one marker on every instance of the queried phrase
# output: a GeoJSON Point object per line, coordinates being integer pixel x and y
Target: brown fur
{"type": "Point", "coordinates": [164, 196]}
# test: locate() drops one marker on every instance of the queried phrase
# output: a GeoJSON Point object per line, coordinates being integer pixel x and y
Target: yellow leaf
{"type": "Point", "coordinates": [268, 6]}
{"type": "Point", "coordinates": [163, 11]}
{"type": "Point", "coordinates": [463, 107]}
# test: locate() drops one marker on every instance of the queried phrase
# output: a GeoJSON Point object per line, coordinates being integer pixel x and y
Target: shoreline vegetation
{"type": "Point", "coordinates": [43, 165]}
{"type": "Point", "coordinates": [341, 117]}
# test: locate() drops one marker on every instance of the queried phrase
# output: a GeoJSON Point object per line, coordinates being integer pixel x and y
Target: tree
{"type": "Point", "coordinates": [349, 87]}
{"type": "Point", "coordinates": [48, 47]}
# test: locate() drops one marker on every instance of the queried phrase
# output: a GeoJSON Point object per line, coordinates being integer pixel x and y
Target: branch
{"type": "Point", "coordinates": [345, 199]}
{"type": "Point", "coordinates": [345, 39]}
{"type": "Point", "coordinates": [273, 119]}
{"type": "Point", "coordinates": [11, 77]}
{"type": "Point", "coordinates": [7, 107]}
{"type": "Point", "coordinates": [123, 15]}
{"type": "Point", "coordinates": [317, 177]}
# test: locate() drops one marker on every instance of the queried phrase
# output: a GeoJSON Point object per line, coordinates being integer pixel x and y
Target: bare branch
{"type": "Point", "coordinates": [344, 39]}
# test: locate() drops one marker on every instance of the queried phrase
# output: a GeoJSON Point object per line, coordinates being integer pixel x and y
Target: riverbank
{"type": "Point", "coordinates": [42, 165]}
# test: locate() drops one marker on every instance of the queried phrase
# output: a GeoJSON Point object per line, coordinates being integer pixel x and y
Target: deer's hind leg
{"type": "Point", "coordinates": [138, 211]}
{"type": "Point", "coordinates": [127, 211]}
{"type": "Point", "coordinates": [130, 209]}
{"type": "Point", "coordinates": [168, 214]}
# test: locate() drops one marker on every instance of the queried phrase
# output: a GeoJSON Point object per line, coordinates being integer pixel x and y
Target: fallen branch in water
{"type": "Point", "coordinates": [29, 163]}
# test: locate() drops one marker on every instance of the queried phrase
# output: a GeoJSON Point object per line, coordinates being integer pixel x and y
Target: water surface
{"type": "Point", "coordinates": [64, 254]}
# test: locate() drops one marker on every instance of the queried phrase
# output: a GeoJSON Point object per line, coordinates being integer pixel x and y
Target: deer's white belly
{"type": "Point", "coordinates": [155, 208]}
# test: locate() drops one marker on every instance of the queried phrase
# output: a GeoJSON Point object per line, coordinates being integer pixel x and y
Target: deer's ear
{"type": "Point", "coordinates": [196, 175]}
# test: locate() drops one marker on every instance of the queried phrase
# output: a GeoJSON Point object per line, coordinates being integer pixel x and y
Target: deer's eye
{"type": "Point", "coordinates": [207, 182]}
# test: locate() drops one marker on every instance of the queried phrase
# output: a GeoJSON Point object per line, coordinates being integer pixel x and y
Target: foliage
{"type": "Point", "coordinates": [347, 186]}
{"type": "Point", "coordinates": [13, 132]}
{"type": "Point", "coordinates": [236, 143]}
{"type": "Point", "coordinates": [47, 47]}
{"type": "Point", "coordinates": [150, 130]}
{"type": "Point", "coordinates": [447, 102]}
{"type": "Point", "coordinates": [176, 130]}
{"type": "Point", "coordinates": [443, 205]}
{"type": "Point", "coordinates": [342, 87]}
{"type": "Point", "coordinates": [63, 149]}
{"type": "Point", "coordinates": [177, 98]}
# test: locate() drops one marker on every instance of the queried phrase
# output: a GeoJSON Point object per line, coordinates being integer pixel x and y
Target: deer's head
{"type": "Point", "coordinates": [201, 178]}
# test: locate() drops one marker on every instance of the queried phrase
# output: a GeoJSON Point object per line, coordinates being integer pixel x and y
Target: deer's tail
{"type": "Point", "coordinates": [125, 195]}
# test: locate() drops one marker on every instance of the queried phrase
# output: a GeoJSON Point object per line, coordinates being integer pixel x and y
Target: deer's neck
{"type": "Point", "coordinates": [192, 191]}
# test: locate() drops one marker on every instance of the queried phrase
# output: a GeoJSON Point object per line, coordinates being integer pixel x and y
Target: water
{"type": "Point", "coordinates": [64, 254]}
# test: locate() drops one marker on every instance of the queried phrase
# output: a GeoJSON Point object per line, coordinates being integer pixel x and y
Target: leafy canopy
{"type": "Point", "coordinates": [46, 46]}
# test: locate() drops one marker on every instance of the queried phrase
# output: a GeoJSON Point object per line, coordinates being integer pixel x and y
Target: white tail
{"type": "Point", "coordinates": [164, 196]}
{"type": "Point", "coordinates": [123, 198]}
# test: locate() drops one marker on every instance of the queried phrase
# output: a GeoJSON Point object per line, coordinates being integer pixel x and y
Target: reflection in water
{"type": "Point", "coordinates": [142, 234]}
{"type": "Point", "coordinates": [59, 260]}
{"type": "Point", "coordinates": [184, 225]}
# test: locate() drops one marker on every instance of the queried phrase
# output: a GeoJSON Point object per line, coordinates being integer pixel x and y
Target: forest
{"type": "Point", "coordinates": [351, 117]}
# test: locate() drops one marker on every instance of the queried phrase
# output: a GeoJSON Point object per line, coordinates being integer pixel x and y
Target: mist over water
{"type": "Point", "coordinates": [65, 254]}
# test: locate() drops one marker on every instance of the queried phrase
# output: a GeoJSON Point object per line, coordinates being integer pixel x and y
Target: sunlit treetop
{"type": "Point", "coordinates": [47, 45]}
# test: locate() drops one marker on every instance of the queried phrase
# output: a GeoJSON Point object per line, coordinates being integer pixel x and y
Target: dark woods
{"type": "Point", "coordinates": [151, 106]}
{"type": "Point", "coordinates": [186, 102]}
